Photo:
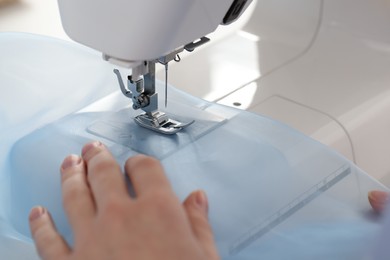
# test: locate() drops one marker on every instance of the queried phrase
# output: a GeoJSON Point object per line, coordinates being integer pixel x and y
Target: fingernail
{"type": "Point", "coordinates": [71, 161]}
{"type": "Point", "coordinates": [201, 201]}
{"type": "Point", "coordinates": [378, 200]}
{"type": "Point", "coordinates": [36, 213]}
{"type": "Point", "coordinates": [88, 147]}
{"type": "Point", "coordinates": [379, 197]}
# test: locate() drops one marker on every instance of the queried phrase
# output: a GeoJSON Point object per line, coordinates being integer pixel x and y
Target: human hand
{"type": "Point", "coordinates": [378, 200]}
{"type": "Point", "coordinates": [108, 224]}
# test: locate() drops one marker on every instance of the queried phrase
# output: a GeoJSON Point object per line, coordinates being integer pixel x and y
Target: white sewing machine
{"type": "Point", "coordinates": [137, 34]}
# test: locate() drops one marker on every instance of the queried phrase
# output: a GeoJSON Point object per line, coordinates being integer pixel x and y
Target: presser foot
{"type": "Point", "coordinates": [159, 122]}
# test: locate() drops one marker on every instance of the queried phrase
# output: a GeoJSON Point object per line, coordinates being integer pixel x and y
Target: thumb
{"type": "Point", "coordinates": [378, 200]}
{"type": "Point", "coordinates": [196, 207]}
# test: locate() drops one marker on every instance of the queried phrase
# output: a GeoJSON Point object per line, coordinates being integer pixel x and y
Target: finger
{"type": "Point", "coordinates": [103, 174]}
{"type": "Point", "coordinates": [49, 244]}
{"type": "Point", "coordinates": [76, 194]}
{"type": "Point", "coordinates": [196, 206]}
{"type": "Point", "coordinates": [146, 175]}
{"type": "Point", "coordinates": [378, 200]}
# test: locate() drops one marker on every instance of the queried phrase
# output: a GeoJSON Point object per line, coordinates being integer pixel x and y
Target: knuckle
{"type": "Point", "coordinates": [68, 198]}
{"type": "Point", "coordinates": [114, 208]}
{"type": "Point", "coordinates": [71, 189]}
{"type": "Point", "coordinates": [202, 223]}
{"type": "Point", "coordinates": [102, 166]}
{"type": "Point", "coordinates": [43, 234]}
{"type": "Point", "coordinates": [142, 161]}
{"type": "Point", "coordinates": [161, 196]}
{"type": "Point", "coordinates": [46, 243]}
{"type": "Point", "coordinates": [67, 174]}
{"type": "Point", "coordinates": [114, 202]}
{"type": "Point", "coordinates": [71, 200]}
{"type": "Point", "coordinates": [163, 203]}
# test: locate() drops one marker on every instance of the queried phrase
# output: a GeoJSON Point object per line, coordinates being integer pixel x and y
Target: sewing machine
{"type": "Point", "coordinates": [125, 37]}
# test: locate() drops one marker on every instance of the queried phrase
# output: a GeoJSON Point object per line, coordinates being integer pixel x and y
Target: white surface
{"type": "Point", "coordinates": [345, 77]}
{"type": "Point", "coordinates": [319, 66]}
{"type": "Point", "coordinates": [34, 16]}
{"type": "Point", "coordinates": [135, 30]}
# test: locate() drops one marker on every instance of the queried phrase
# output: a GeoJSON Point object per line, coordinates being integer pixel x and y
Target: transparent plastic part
{"type": "Point", "coordinates": [119, 128]}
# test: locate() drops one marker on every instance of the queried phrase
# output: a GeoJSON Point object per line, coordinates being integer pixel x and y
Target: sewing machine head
{"type": "Point", "coordinates": [139, 33]}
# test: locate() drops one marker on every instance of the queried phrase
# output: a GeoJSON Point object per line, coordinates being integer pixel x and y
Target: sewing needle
{"type": "Point", "coordinates": [166, 84]}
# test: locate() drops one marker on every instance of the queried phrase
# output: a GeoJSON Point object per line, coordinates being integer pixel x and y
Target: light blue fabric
{"type": "Point", "coordinates": [274, 193]}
